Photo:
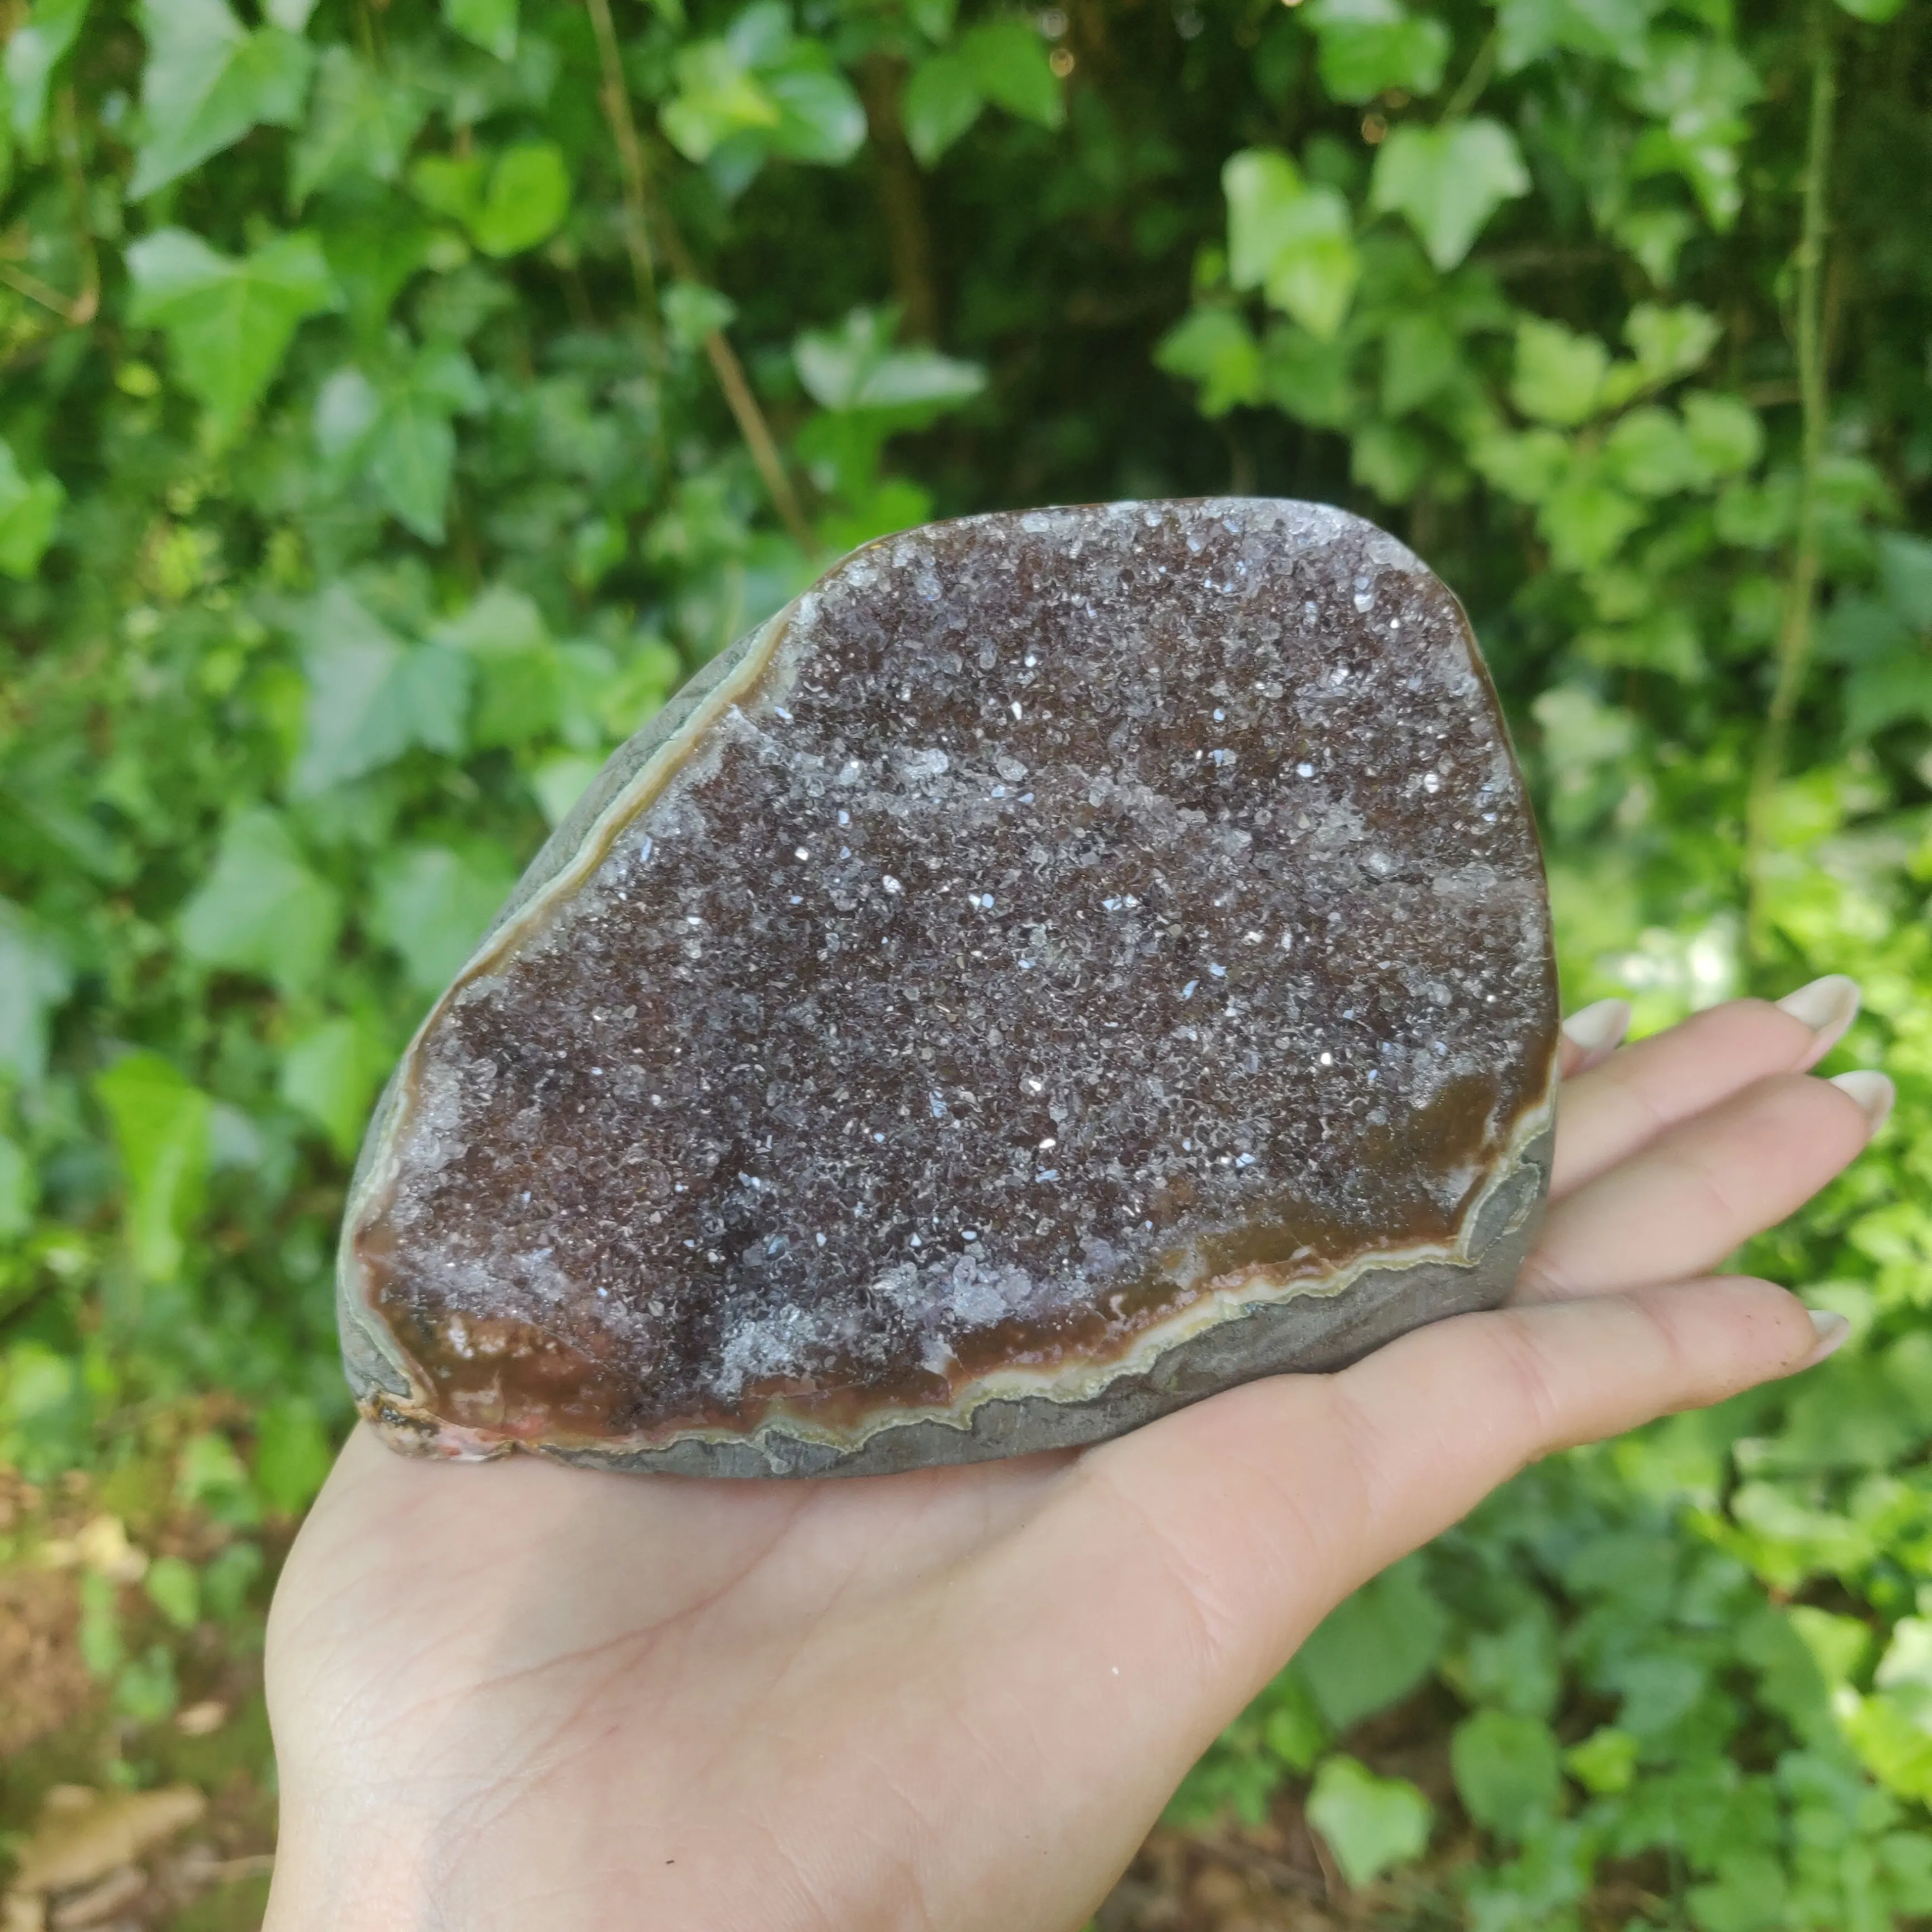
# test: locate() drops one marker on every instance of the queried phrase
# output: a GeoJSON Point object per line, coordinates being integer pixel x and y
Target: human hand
{"type": "Point", "coordinates": [517, 1696]}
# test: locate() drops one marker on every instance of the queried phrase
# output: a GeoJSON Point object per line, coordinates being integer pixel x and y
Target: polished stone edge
{"type": "Point", "coordinates": [1305, 1333]}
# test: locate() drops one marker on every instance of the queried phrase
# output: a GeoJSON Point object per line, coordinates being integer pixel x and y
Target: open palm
{"type": "Point", "coordinates": [517, 1696]}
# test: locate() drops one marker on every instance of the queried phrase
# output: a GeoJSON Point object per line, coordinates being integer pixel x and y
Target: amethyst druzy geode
{"type": "Point", "coordinates": [1063, 965]}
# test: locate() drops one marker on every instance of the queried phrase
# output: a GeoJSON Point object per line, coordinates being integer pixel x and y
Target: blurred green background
{"type": "Point", "coordinates": [401, 399]}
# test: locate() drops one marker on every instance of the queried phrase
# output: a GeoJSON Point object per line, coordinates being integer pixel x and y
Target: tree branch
{"type": "Point", "coordinates": [641, 206]}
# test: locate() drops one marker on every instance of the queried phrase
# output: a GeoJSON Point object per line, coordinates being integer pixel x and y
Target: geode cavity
{"type": "Point", "coordinates": [1062, 965]}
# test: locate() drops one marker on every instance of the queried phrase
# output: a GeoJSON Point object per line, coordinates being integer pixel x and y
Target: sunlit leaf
{"type": "Point", "coordinates": [1368, 46]}
{"type": "Point", "coordinates": [330, 1074]}
{"type": "Point", "coordinates": [262, 909]}
{"type": "Point", "coordinates": [491, 25]}
{"type": "Point", "coordinates": [941, 101]}
{"type": "Point", "coordinates": [692, 311]}
{"type": "Point", "coordinates": [1215, 349]}
{"type": "Point", "coordinates": [1008, 62]}
{"type": "Point", "coordinates": [1375, 1649]}
{"type": "Point", "coordinates": [718, 97]}
{"type": "Point", "coordinates": [208, 82]}
{"type": "Point", "coordinates": [38, 45]}
{"type": "Point", "coordinates": [857, 367]}
{"type": "Point", "coordinates": [34, 978]}
{"type": "Point", "coordinates": [361, 120]}
{"type": "Point", "coordinates": [526, 196]}
{"type": "Point", "coordinates": [30, 508]}
{"type": "Point", "coordinates": [370, 696]}
{"type": "Point", "coordinates": [1559, 374]}
{"type": "Point", "coordinates": [431, 904]}
{"type": "Point", "coordinates": [229, 322]}
{"type": "Point", "coordinates": [1294, 242]}
{"type": "Point", "coordinates": [1448, 180]}
{"type": "Point", "coordinates": [1370, 1823]}
{"type": "Point", "coordinates": [820, 117]}
{"type": "Point", "coordinates": [161, 1129]}
{"type": "Point", "coordinates": [292, 1454]}
{"type": "Point", "coordinates": [1506, 1771]}
{"type": "Point", "coordinates": [1527, 30]}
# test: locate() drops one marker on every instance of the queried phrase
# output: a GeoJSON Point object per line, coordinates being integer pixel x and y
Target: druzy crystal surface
{"type": "Point", "coordinates": [1064, 964]}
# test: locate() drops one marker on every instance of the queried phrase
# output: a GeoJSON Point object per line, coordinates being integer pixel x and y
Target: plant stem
{"type": "Point", "coordinates": [1469, 90]}
{"type": "Point", "coordinates": [908, 238]}
{"type": "Point", "coordinates": [641, 207]}
{"type": "Point", "coordinates": [616, 100]}
{"type": "Point", "coordinates": [1796, 633]}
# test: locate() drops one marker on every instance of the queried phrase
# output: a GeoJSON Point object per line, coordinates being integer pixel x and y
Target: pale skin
{"type": "Point", "coordinates": [514, 1697]}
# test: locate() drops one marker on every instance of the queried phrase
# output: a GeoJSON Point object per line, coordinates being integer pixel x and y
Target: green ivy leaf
{"type": "Point", "coordinates": [1446, 182]}
{"type": "Point", "coordinates": [1559, 375]}
{"type": "Point", "coordinates": [820, 119]}
{"type": "Point", "coordinates": [717, 98]}
{"type": "Point", "coordinates": [1605, 1763]}
{"type": "Point", "coordinates": [691, 312]}
{"type": "Point", "coordinates": [1293, 241]}
{"type": "Point", "coordinates": [527, 196]}
{"type": "Point", "coordinates": [361, 121]}
{"type": "Point", "coordinates": [1369, 46]}
{"type": "Point", "coordinates": [370, 696]}
{"type": "Point", "coordinates": [1312, 381]}
{"type": "Point", "coordinates": [1527, 30]}
{"type": "Point", "coordinates": [1586, 520]}
{"type": "Point", "coordinates": [1905, 569]}
{"type": "Point", "coordinates": [20, 1189]}
{"type": "Point", "coordinates": [410, 456]}
{"type": "Point", "coordinates": [163, 1128]}
{"type": "Point", "coordinates": [207, 83]}
{"type": "Point", "coordinates": [1370, 1823]}
{"type": "Point", "coordinates": [1008, 62]}
{"type": "Point", "coordinates": [1389, 458]}
{"type": "Point", "coordinates": [1506, 1771]}
{"type": "Point", "coordinates": [292, 1455]}
{"type": "Point", "coordinates": [1421, 357]}
{"type": "Point", "coordinates": [30, 508]}
{"type": "Point", "coordinates": [519, 672]}
{"type": "Point", "coordinates": [329, 1074]}
{"type": "Point", "coordinates": [1215, 348]}
{"type": "Point", "coordinates": [856, 367]}
{"type": "Point", "coordinates": [1649, 453]}
{"type": "Point", "coordinates": [942, 100]}
{"type": "Point", "coordinates": [1375, 1649]}
{"type": "Point", "coordinates": [229, 323]}
{"type": "Point", "coordinates": [262, 910]}
{"type": "Point", "coordinates": [175, 1590]}
{"type": "Point", "coordinates": [1725, 433]}
{"type": "Point", "coordinates": [34, 979]}
{"type": "Point", "coordinates": [431, 905]}
{"type": "Point", "coordinates": [933, 18]}
{"type": "Point", "coordinates": [38, 46]}
{"type": "Point", "coordinates": [491, 25]}
{"type": "Point", "coordinates": [1694, 89]}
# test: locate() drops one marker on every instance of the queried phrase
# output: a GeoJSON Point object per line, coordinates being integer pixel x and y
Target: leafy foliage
{"type": "Point", "coordinates": [404, 398]}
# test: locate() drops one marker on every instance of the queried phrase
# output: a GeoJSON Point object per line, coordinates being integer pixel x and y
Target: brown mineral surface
{"type": "Point", "coordinates": [1064, 964]}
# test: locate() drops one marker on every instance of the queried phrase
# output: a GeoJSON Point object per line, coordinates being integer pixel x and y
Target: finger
{"type": "Point", "coordinates": [1261, 1509]}
{"type": "Point", "coordinates": [1590, 1035]}
{"type": "Point", "coordinates": [1609, 1111]}
{"type": "Point", "coordinates": [1679, 1205]}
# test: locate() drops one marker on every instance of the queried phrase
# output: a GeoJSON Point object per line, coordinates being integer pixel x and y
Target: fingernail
{"type": "Point", "coordinates": [1826, 1005]}
{"type": "Point", "coordinates": [1595, 1029]}
{"type": "Point", "coordinates": [1831, 1328]}
{"type": "Point", "coordinates": [1872, 1090]}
